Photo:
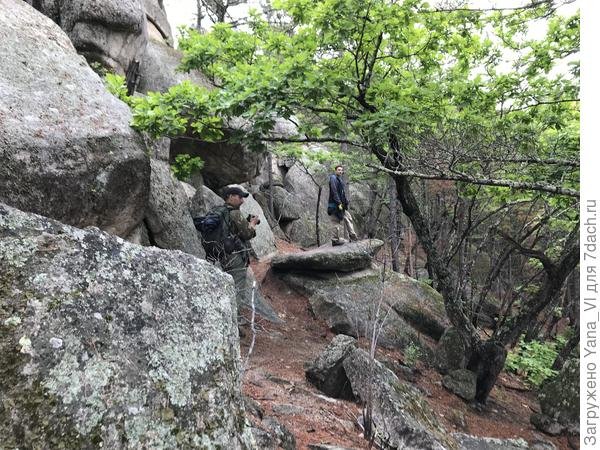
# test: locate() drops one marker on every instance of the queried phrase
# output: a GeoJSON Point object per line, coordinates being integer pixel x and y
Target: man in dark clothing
{"type": "Point", "coordinates": [337, 208]}
{"type": "Point", "coordinates": [242, 230]}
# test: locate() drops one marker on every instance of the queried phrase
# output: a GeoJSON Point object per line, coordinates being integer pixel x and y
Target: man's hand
{"type": "Point", "coordinates": [341, 207]}
{"type": "Point", "coordinates": [254, 221]}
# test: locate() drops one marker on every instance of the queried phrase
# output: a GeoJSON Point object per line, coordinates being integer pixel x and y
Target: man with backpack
{"type": "Point", "coordinates": [225, 235]}
{"type": "Point", "coordinates": [337, 208]}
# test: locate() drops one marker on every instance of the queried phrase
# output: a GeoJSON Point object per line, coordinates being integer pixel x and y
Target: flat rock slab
{"type": "Point", "coordinates": [349, 257]}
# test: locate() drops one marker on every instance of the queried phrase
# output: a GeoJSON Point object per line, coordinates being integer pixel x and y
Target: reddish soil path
{"type": "Point", "coordinates": [275, 380]}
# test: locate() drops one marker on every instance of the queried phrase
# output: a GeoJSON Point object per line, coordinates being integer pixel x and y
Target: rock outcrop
{"type": "Point", "coordinates": [67, 149]}
{"type": "Point", "coordinates": [108, 344]}
{"type": "Point", "coordinates": [348, 303]}
{"type": "Point", "coordinates": [350, 257]}
{"type": "Point", "coordinates": [158, 69]}
{"type": "Point", "coordinates": [168, 217]}
{"type": "Point", "coordinates": [401, 417]}
{"type": "Point", "coordinates": [559, 402]}
{"type": "Point", "coordinates": [112, 33]}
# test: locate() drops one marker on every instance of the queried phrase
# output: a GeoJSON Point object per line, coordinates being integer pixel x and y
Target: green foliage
{"type": "Point", "coordinates": [534, 360]}
{"type": "Point", "coordinates": [117, 87]}
{"type": "Point", "coordinates": [412, 353]}
{"type": "Point", "coordinates": [185, 166]}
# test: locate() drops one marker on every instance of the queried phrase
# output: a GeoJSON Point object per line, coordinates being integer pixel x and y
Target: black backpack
{"type": "Point", "coordinates": [215, 229]}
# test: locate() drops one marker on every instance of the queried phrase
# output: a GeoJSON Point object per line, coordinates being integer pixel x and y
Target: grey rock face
{"type": "Point", "coordinates": [468, 442]}
{"type": "Point", "coordinates": [157, 69]}
{"type": "Point", "coordinates": [286, 206]}
{"type": "Point", "coordinates": [461, 382]}
{"type": "Point", "coordinates": [402, 418]}
{"type": "Point", "coordinates": [168, 217]}
{"type": "Point", "coordinates": [224, 163]}
{"type": "Point", "coordinates": [345, 258]}
{"type": "Point", "coordinates": [559, 401]}
{"type": "Point", "coordinates": [67, 149]}
{"type": "Point", "coordinates": [327, 372]}
{"type": "Point", "coordinates": [157, 18]}
{"type": "Point", "coordinates": [110, 32]}
{"type": "Point", "coordinates": [345, 303]}
{"type": "Point", "coordinates": [106, 343]}
{"type": "Point", "coordinates": [452, 352]}
{"type": "Point", "coordinates": [304, 194]}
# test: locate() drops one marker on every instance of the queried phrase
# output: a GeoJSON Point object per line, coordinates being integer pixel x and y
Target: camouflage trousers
{"type": "Point", "coordinates": [236, 265]}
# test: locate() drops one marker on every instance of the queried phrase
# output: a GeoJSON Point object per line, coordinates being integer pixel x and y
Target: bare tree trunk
{"type": "Point", "coordinates": [394, 235]}
{"type": "Point", "coordinates": [198, 15]}
{"type": "Point", "coordinates": [270, 169]}
{"type": "Point", "coordinates": [563, 355]}
{"type": "Point", "coordinates": [317, 216]}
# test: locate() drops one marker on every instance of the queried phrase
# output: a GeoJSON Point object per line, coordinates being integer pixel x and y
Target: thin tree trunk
{"type": "Point", "coordinates": [317, 216]}
{"type": "Point", "coordinates": [270, 169]}
{"type": "Point", "coordinates": [563, 355]}
{"type": "Point", "coordinates": [394, 235]}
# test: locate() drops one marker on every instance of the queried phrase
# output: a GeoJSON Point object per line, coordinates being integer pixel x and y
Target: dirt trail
{"type": "Point", "coordinates": [275, 380]}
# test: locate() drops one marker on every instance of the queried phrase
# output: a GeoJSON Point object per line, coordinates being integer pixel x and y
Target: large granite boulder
{"type": "Point", "coordinates": [344, 258]}
{"type": "Point", "coordinates": [66, 147]}
{"type": "Point", "coordinates": [168, 216]}
{"type": "Point", "coordinates": [559, 401]}
{"type": "Point", "coordinates": [327, 371]}
{"type": "Point", "coordinates": [158, 69]}
{"type": "Point", "coordinates": [286, 207]}
{"type": "Point", "coordinates": [108, 344]}
{"type": "Point", "coordinates": [401, 416]}
{"type": "Point", "coordinates": [461, 382]}
{"type": "Point", "coordinates": [158, 24]}
{"type": "Point", "coordinates": [112, 33]}
{"type": "Point", "coordinates": [453, 351]}
{"type": "Point", "coordinates": [349, 303]}
{"type": "Point", "coordinates": [224, 162]}
{"type": "Point", "coordinates": [468, 442]}
{"type": "Point", "coordinates": [304, 193]}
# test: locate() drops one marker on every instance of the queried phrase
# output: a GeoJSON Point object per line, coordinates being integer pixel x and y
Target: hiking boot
{"type": "Point", "coordinates": [336, 242]}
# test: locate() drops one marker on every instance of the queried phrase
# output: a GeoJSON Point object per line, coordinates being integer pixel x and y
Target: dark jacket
{"type": "Point", "coordinates": [337, 191]}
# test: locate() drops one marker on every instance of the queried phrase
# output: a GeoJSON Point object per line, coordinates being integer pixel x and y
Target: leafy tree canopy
{"type": "Point", "coordinates": [464, 94]}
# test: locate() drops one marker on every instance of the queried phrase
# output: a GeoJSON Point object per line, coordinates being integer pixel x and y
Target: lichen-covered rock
{"type": "Point", "coordinates": [110, 32]}
{"type": "Point", "coordinates": [350, 257]}
{"type": "Point", "coordinates": [401, 416]}
{"type": "Point", "coordinates": [559, 401]}
{"type": "Point", "coordinates": [468, 442]}
{"type": "Point", "coordinates": [327, 372]}
{"type": "Point", "coordinates": [168, 217]}
{"type": "Point", "coordinates": [108, 344]}
{"type": "Point", "coordinates": [67, 150]}
{"type": "Point", "coordinates": [461, 382]}
{"type": "Point", "coordinates": [452, 351]}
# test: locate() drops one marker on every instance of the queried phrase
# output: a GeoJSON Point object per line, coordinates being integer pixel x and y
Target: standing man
{"type": "Point", "coordinates": [238, 231]}
{"type": "Point", "coordinates": [337, 208]}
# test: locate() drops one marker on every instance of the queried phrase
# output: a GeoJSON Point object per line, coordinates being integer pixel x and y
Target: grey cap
{"type": "Point", "coordinates": [234, 190]}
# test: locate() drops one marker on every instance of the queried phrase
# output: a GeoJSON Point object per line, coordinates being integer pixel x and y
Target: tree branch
{"type": "Point", "coordinates": [481, 180]}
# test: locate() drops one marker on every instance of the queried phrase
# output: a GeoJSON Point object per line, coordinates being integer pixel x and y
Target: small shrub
{"type": "Point", "coordinates": [412, 354]}
{"type": "Point", "coordinates": [533, 360]}
{"type": "Point", "coordinates": [185, 165]}
{"type": "Point", "coordinates": [117, 87]}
